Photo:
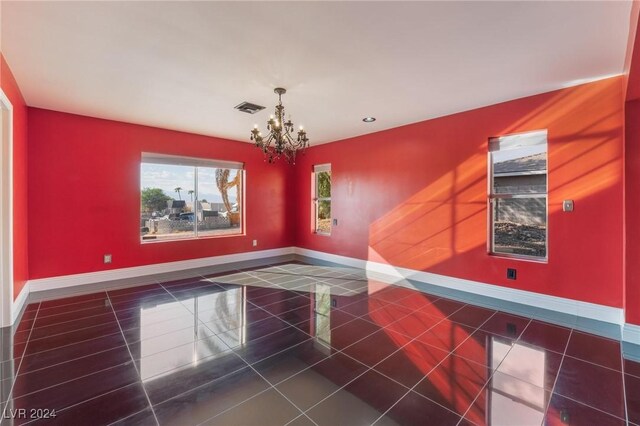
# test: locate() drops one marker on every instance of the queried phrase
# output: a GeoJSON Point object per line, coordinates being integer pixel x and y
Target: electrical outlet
{"type": "Point", "coordinates": [107, 258]}
{"type": "Point", "coordinates": [511, 274]}
{"type": "Point", "coordinates": [255, 243]}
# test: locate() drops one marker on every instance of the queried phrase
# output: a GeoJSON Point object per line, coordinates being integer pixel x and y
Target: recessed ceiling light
{"type": "Point", "coordinates": [369, 119]}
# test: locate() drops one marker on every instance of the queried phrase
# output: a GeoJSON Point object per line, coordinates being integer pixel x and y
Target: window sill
{"type": "Point", "coordinates": [323, 234]}
{"type": "Point", "coordinates": [543, 260]}
{"type": "Point", "coordinates": [173, 240]}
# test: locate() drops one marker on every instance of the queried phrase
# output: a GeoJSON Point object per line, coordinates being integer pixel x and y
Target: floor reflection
{"type": "Point", "coordinates": [517, 390]}
{"type": "Point", "coordinates": [210, 314]}
{"type": "Point", "coordinates": [314, 344]}
{"type": "Point", "coordinates": [323, 313]}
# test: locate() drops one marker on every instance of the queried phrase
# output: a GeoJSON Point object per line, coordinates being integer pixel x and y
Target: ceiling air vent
{"type": "Point", "coordinates": [248, 107]}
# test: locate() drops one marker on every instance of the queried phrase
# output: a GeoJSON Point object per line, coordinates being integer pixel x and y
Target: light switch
{"type": "Point", "coordinates": [567, 206]}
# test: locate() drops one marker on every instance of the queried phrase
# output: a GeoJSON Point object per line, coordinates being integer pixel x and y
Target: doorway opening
{"type": "Point", "coordinates": [6, 211]}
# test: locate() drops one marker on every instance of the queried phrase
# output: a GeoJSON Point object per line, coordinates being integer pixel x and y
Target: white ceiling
{"type": "Point", "coordinates": [185, 65]}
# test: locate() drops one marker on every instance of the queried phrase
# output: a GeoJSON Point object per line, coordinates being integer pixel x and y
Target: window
{"type": "Point", "coordinates": [518, 195]}
{"type": "Point", "coordinates": [183, 198]}
{"type": "Point", "coordinates": [322, 199]}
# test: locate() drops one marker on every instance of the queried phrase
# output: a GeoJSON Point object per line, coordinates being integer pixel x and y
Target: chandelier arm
{"type": "Point", "coordinates": [289, 139]}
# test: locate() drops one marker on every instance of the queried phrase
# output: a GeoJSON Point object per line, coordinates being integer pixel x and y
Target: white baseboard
{"type": "Point", "coordinates": [19, 303]}
{"type": "Point", "coordinates": [631, 333]}
{"type": "Point", "coordinates": [334, 258]}
{"type": "Point", "coordinates": [395, 275]}
{"type": "Point", "coordinates": [52, 283]}
{"type": "Point", "coordinates": [383, 272]}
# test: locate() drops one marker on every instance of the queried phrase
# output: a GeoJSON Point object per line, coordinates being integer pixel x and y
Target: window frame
{"type": "Point", "coordinates": [196, 162]}
{"type": "Point", "coordinates": [317, 169]}
{"type": "Point", "coordinates": [491, 196]}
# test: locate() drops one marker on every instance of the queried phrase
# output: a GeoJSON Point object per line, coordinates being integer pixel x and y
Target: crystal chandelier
{"type": "Point", "coordinates": [280, 140]}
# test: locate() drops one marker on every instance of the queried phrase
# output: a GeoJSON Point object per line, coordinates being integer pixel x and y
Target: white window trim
{"type": "Point", "coordinates": [176, 160]}
{"type": "Point", "coordinates": [195, 162]}
{"type": "Point", "coordinates": [513, 141]}
{"type": "Point", "coordinates": [7, 307]}
{"type": "Point", "coordinates": [316, 200]}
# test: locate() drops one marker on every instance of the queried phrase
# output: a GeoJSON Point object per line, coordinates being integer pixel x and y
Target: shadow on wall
{"type": "Point", "coordinates": [443, 223]}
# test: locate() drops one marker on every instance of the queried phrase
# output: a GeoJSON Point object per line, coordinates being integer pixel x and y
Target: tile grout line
{"type": "Point", "coordinates": [113, 310]}
{"type": "Point", "coordinates": [124, 419]}
{"type": "Point", "coordinates": [624, 386]}
{"type": "Point", "coordinates": [26, 346]}
{"type": "Point", "coordinates": [234, 406]}
{"type": "Point", "coordinates": [133, 361]}
{"type": "Point", "coordinates": [593, 363]}
{"type": "Point", "coordinates": [71, 331]}
{"type": "Point", "coordinates": [271, 315]}
{"type": "Point", "coordinates": [72, 344]}
{"type": "Point", "coordinates": [496, 370]}
{"type": "Point", "coordinates": [584, 404]}
{"type": "Point", "coordinates": [74, 379]}
{"type": "Point", "coordinates": [181, 394]}
{"type": "Point", "coordinates": [90, 399]}
{"type": "Point", "coordinates": [271, 285]}
{"type": "Point", "coordinates": [276, 389]}
{"type": "Point", "coordinates": [555, 382]}
{"type": "Point", "coordinates": [217, 334]}
{"type": "Point", "coordinates": [72, 311]}
{"type": "Point", "coordinates": [281, 284]}
{"type": "Point", "coordinates": [341, 351]}
{"type": "Point", "coordinates": [436, 366]}
{"type": "Point", "coordinates": [72, 360]}
{"type": "Point", "coordinates": [83, 318]}
{"type": "Point", "coordinates": [69, 296]}
{"type": "Point", "coordinates": [231, 350]}
{"type": "Point", "coordinates": [372, 368]}
{"type": "Point", "coordinates": [271, 386]}
{"type": "Point", "coordinates": [256, 274]}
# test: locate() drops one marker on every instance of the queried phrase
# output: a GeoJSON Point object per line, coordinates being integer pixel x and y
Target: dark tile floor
{"type": "Point", "coordinates": [301, 345]}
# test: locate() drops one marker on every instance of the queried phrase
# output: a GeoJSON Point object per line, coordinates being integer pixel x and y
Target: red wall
{"type": "Point", "coordinates": [632, 177]}
{"type": "Point", "coordinates": [415, 196]}
{"type": "Point", "coordinates": [20, 244]}
{"type": "Point", "coordinates": [84, 188]}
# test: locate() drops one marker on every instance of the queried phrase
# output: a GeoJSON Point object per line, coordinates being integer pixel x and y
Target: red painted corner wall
{"type": "Point", "coordinates": [632, 177]}
{"type": "Point", "coordinates": [20, 203]}
{"type": "Point", "coordinates": [84, 178]}
{"type": "Point", "coordinates": [415, 196]}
